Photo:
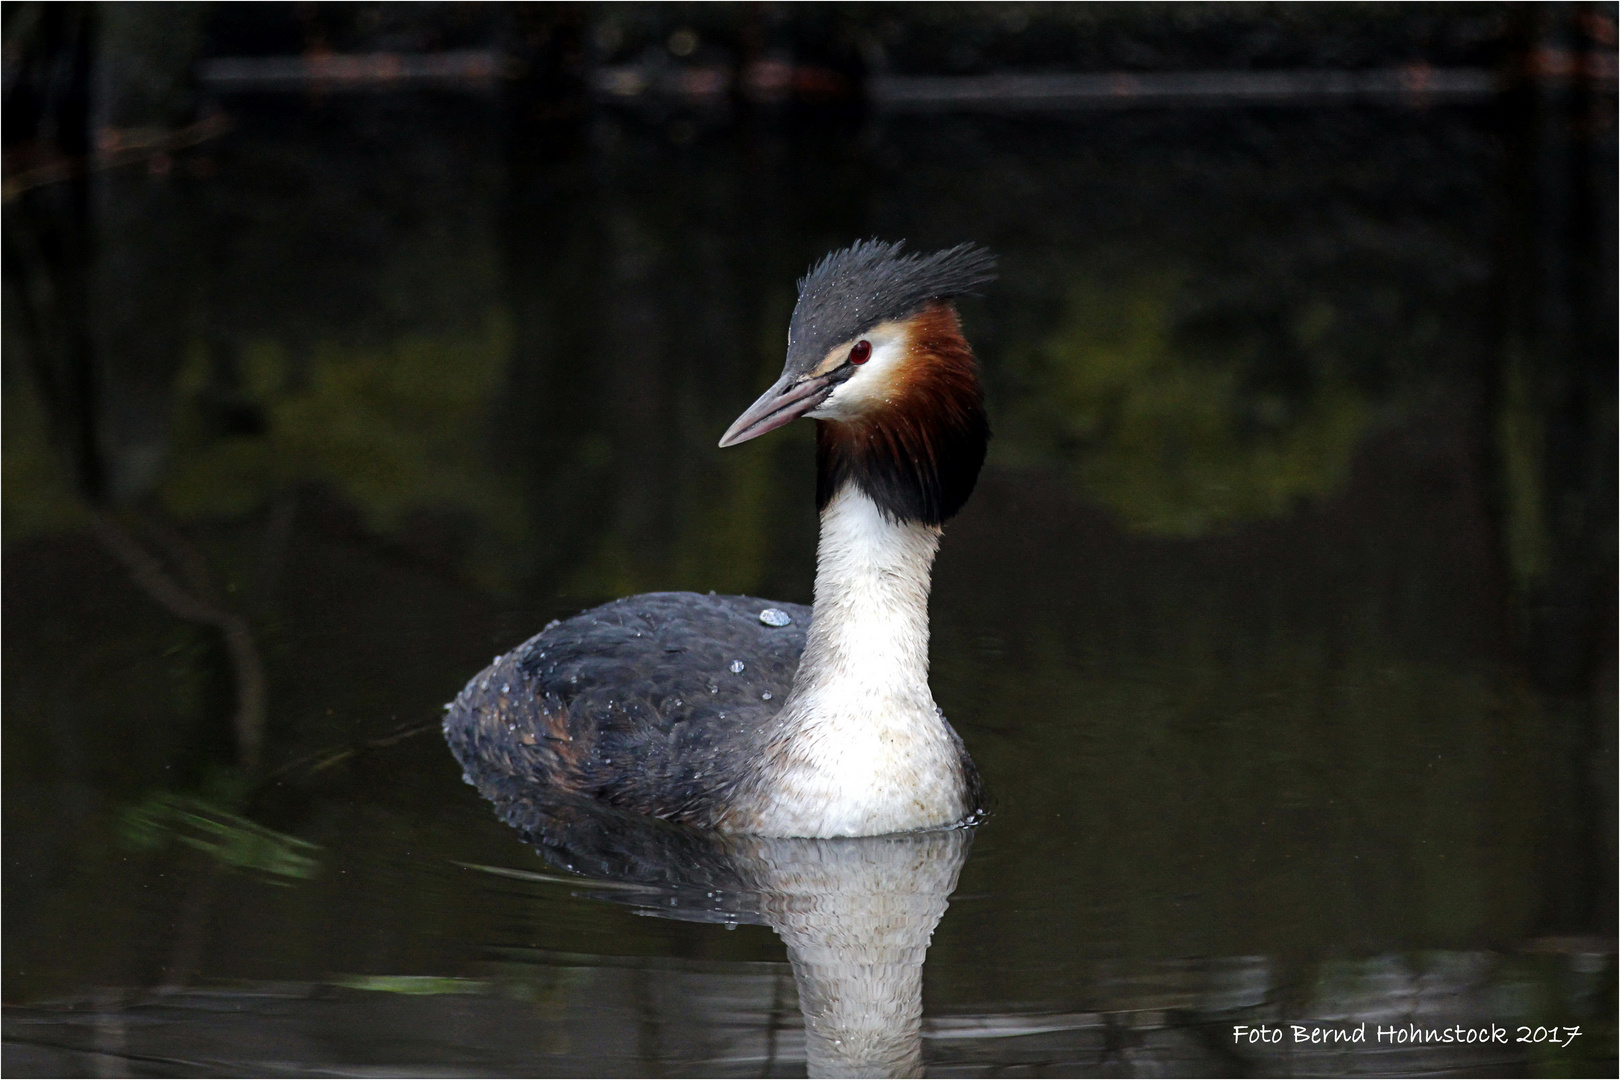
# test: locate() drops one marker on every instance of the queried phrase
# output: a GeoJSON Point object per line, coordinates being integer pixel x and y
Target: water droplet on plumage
{"type": "Point", "coordinates": [737, 667]}
{"type": "Point", "coordinates": [775, 617]}
{"type": "Point", "coordinates": [766, 696]}
{"type": "Point", "coordinates": [506, 688]}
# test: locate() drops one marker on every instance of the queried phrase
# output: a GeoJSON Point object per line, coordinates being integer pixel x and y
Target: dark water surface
{"type": "Point", "coordinates": [1235, 627]}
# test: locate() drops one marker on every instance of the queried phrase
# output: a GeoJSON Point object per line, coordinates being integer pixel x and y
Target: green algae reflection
{"type": "Point", "coordinates": [227, 838]}
{"type": "Point", "coordinates": [395, 428]}
{"type": "Point", "coordinates": [1171, 435]}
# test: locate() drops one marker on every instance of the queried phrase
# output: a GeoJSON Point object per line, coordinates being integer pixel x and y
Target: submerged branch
{"type": "Point", "coordinates": [194, 605]}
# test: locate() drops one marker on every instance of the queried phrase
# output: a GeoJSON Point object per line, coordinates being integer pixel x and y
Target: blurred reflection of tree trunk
{"type": "Point", "coordinates": [273, 548]}
{"type": "Point", "coordinates": [650, 261]}
{"type": "Point", "coordinates": [191, 929]}
{"type": "Point", "coordinates": [549, 256]}
{"type": "Point", "coordinates": [1555, 424]}
{"type": "Point", "coordinates": [47, 230]}
{"type": "Point", "coordinates": [112, 1036]}
{"type": "Point", "coordinates": [104, 415]}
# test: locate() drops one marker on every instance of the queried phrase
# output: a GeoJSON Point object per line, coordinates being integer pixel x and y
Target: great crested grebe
{"type": "Point", "coordinates": [746, 716]}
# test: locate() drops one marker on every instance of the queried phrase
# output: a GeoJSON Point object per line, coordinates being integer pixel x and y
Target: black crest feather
{"type": "Point", "coordinates": [871, 282]}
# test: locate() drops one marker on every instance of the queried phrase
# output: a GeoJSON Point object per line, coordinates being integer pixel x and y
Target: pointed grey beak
{"type": "Point", "coordinates": [790, 398]}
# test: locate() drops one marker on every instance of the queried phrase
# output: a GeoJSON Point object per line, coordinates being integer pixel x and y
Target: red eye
{"type": "Point", "coordinates": [861, 353]}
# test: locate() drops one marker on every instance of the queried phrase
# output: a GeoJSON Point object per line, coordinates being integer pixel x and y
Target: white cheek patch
{"type": "Point", "coordinates": [874, 382]}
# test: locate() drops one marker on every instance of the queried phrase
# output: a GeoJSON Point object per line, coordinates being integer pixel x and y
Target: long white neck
{"type": "Point", "coordinates": [860, 748]}
{"type": "Point", "coordinates": [868, 639]}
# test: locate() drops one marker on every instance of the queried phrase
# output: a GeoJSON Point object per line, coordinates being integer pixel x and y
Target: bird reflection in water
{"type": "Point", "coordinates": [856, 913]}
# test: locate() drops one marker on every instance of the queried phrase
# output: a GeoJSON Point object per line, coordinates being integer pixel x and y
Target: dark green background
{"type": "Point", "coordinates": [1281, 625]}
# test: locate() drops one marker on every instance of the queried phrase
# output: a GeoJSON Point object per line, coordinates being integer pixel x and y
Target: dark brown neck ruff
{"type": "Point", "coordinates": [919, 458]}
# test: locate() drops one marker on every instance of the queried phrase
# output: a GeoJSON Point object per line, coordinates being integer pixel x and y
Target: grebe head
{"type": "Point", "coordinates": [876, 356]}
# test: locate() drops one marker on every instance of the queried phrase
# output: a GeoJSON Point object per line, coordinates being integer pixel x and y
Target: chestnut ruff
{"type": "Point", "coordinates": [919, 457]}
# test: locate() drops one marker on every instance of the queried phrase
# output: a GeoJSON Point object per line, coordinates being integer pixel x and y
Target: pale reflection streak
{"type": "Point", "coordinates": [856, 914]}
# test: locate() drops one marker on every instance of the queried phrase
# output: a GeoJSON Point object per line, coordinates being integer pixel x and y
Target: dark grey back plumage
{"type": "Point", "coordinates": [872, 282]}
{"type": "Point", "coordinates": [634, 703]}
